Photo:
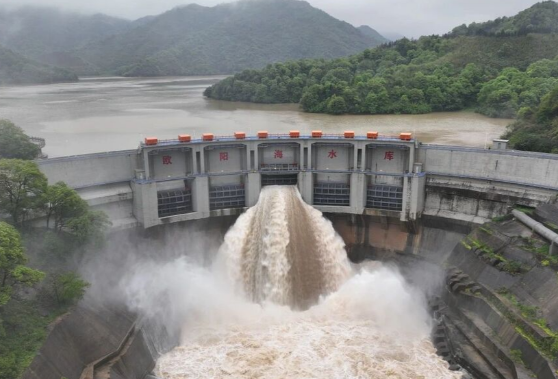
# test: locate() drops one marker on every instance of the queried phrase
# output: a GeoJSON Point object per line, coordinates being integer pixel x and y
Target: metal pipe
{"type": "Point", "coordinates": [538, 227]}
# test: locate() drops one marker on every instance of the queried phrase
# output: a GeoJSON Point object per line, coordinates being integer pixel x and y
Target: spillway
{"type": "Point", "coordinates": [283, 301]}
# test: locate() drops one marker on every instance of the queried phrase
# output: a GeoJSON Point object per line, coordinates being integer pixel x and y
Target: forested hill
{"type": "Point", "coordinates": [38, 32]}
{"type": "Point", "coordinates": [540, 18]}
{"type": "Point", "coordinates": [498, 75]}
{"type": "Point", "coordinates": [16, 69]}
{"type": "Point", "coordinates": [371, 33]}
{"type": "Point", "coordinates": [226, 38]}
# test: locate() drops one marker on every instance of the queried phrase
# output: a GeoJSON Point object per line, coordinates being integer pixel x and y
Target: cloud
{"type": "Point", "coordinates": [411, 18]}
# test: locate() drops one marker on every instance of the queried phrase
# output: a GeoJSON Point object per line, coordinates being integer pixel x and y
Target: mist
{"type": "Point", "coordinates": [197, 285]}
{"type": "Point", "coordinates": [403, 17]}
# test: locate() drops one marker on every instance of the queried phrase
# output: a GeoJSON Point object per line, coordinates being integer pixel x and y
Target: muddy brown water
{"type": "Point", "coordinates": [106, 114]}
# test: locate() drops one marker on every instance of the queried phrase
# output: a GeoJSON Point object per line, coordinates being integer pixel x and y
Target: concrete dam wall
{"type": "Point", "coordinates": [173, 181]}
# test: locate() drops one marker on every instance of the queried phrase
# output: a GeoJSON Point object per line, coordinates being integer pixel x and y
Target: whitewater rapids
{"type": "Point", "coordinates": [283, 301]}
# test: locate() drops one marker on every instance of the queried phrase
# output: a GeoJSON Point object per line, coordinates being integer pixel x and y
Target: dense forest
{"type": "Point", "coordinates": [37, 264]}
{"type": "Point", "coordinates": [16, 69]}
{"type": "Point", "coordinates": [541, 18]}
{"type": "Point", "coordinates": [497, 74]}
{"type": "Point", "coordinates": [536, 128]}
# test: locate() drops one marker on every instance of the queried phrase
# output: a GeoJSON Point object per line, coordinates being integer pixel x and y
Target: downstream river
{"type": "Point", "coordinates": [105, 114]}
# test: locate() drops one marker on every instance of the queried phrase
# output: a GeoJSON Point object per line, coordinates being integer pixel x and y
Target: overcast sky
{"type": "Point", "coordinates": [411, 18]}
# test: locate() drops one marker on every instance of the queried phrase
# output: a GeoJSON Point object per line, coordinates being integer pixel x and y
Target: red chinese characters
{"type": "Point", "coordinates": [332, 154]}
{"type": "Point", "coordinates": [388, 155]}
{"type": "Point", "coordinates": [224, 156]}
{"type": "Point", "coordinates": [278, 154]}
{"type": "Point", "coordinates": [167, 159]}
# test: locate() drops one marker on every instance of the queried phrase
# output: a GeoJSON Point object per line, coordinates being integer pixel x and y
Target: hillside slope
{"type": "Point", "coordinates": [16, 69]}
{"type": "Point", "coordinates": [38, 32]}
{"type": "Point", "coordinates": [226, 38]}
{"type": "Point", "coordinates": [429, 74]}
{"type": "Point", "coordinates": [540, 18]}
{"type": "Point", "coordinates": [372, 33]}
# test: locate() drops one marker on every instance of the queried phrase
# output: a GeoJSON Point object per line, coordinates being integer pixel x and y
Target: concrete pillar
{"type": "Point", "coordinates": [358, 193]}
{"type": "Point", "coordinates": [306, 186]}
{"type": "Point", "coordinates": [255, 147]}
{"type": "Point", "coordinates": [146, 165]}
{"type": "Point", "coordinates": [253, 187]}
{"type": "Point", "coordinates": [200, 195]}
{"type": "Point", "coordinates": [406, 196]}
{"type": "Point", "coordinates": [416, 206]}
{"type": "Point", "coordinates": [202, 160]}
{"type": "Point", "coordinates": [310, 163]}
{"type": "Point", "coordinates": [194, 160]}
{"type": "Point", "coordinates": [145, 207]}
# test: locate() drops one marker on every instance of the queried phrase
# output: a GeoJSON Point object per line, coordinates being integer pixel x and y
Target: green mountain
{"type": "Point", "coordinates": [226, 38]}
{"type": "Point", "coordinates": [40, 33]}
{"type": "Point", "coordinates": [371, 33]}
{"type": "Point", "coordinates": [536, 128]}
{"type": "Point", "coordinates": [540, 18]}
{"type": "Point", "coordinates": [16, 69]}
{"type": "Point", "coordinates": [435, 73]}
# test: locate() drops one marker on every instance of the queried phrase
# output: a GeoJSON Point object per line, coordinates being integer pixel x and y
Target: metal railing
{"type": "Point", "coordinates": [174, 202]}
{"type": "Point", "coordinates": [167, 142]}
{"type": "Point", "coordinates": [332, 194]}
{"type": "Point", "coordinates": [384, 197]}
{"type": "Point", "coordinates": [279, 167]}
{"type": "Point", "coordinates": [227, 196]}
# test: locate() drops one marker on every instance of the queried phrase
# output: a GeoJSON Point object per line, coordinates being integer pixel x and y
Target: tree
{"type": "Point", "coordinates": [68, 288]}
{"type": "Point", "coordinates": [63, 203]}
{"type": "Point", "coordinates": [13, 271]}
{"type": "Point", "coordinates": [336, 105]}
{"type": "Point", "coordinates": [90, 227]}
{"type": "Point", "coordinates": [15, 144]}
{"type": "Point", "coordinates": [22, 186]}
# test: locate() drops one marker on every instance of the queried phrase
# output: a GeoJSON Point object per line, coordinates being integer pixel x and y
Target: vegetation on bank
{"type": "Point", "coordinates": [14, 143]}
{"type": "Point", "coordinates": [38, 282]}
{"type": "Point", "coordinates": [536, 128]}
{"type": "Point", "coordinates": [406, 77]}
{"type": "Point", "coordinates": [503, 68]}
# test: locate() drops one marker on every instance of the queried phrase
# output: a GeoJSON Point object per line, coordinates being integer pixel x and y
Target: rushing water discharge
{"type": "Point", "coordinates": [282, 301]}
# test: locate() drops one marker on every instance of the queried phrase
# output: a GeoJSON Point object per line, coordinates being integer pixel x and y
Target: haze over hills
{"type": "Point", "coordinates": [227, 38]}
{"type": "Point", "coordinates": [186, 40]}
{"type": "Point", "coordinates": [16, 69]}
{"type": "Point", "coordinates": [38, 32]}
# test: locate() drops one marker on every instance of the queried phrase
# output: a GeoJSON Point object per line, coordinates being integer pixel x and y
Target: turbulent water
{"type": "Point", "coordinates": [283, 301]}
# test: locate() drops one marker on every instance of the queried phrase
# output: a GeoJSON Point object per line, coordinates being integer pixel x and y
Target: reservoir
{"type": "Point", "coordinates": [107, 114]}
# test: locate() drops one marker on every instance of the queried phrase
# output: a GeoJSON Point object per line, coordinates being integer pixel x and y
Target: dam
{"type": "Point", "coordinates": [395, 177]}
{"type": "Point", "coordinates": [311, 229]}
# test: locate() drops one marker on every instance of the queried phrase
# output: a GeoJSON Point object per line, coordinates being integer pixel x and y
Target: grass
{"type": "Point", "coordinates": [24, 329]}
{"type": "Point", "coordinates": [487, 230]}
{"type": "Point", "coordinates": [548, 346]}
{"type": "Point", "coordinates": [510, 266]}
{"type": "Point", "coordinates": [526, 210]}
{"type": "Point", "coordinates": [551, 226]}
{"type": "Point", "coordinates": [541, 250]}
{"type": "Point", "coordinates": [516, 356]}
{"type": "Point", "coordinates": [501, 218]}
